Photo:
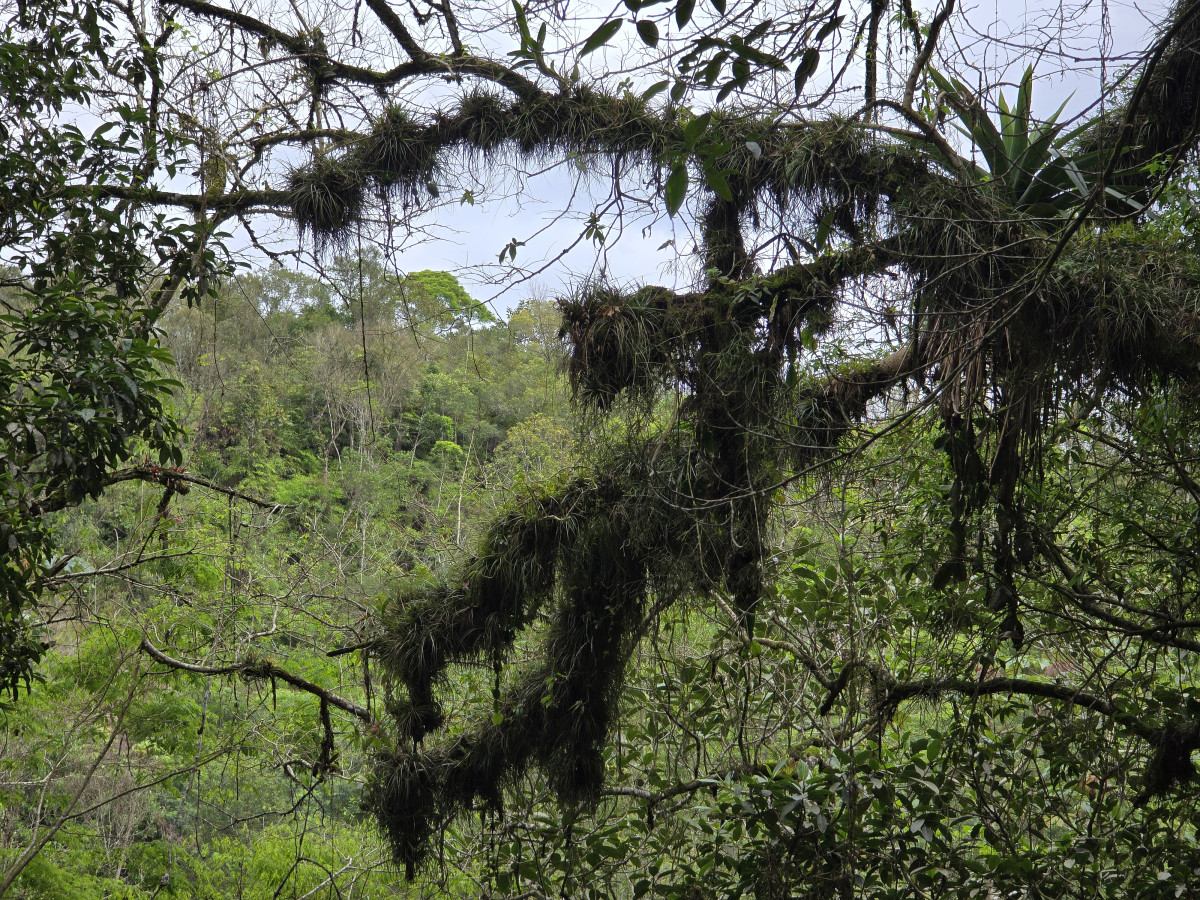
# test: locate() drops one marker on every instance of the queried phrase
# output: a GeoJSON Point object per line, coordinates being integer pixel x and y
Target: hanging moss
{"type": "Point", "coordinates": [481, 610]}
{"type": "Point", "coordinates": [560, 714]}
{"type": "Point", "coordinates": [482, 121]}
{"type": "Point", "coordinates": [1128, 302]}
{"type": "Point", "coordinates": [684, 508]}
{"type": "Point", "coordinates": [632, 344]}
{"type": "Point", "coordinates": [327, 198]}
{"type": "Point", "coordinates": [396, 152]}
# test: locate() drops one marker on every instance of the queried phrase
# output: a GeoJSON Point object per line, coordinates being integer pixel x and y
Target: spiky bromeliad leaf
{"type": "Point", "coordinates": [1025, 159]}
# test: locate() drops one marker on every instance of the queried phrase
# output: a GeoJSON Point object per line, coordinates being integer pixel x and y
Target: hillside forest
{"type": "Point", "coordinates": [857, 559]}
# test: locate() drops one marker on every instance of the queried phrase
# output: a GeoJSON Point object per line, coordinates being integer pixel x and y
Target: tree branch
{"type": "Point", "coordinates": [168, 476]}
{"type": "Point", "coordinates": [932, 688]}
{"type": "Point", "coordinates": [262, 669]}
{"type": "Point", "coordinates": [922, 60]}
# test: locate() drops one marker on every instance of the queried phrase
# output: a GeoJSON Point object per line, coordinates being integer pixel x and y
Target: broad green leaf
{"type": "Point", "coordinates": [676, 189]}
{"type": "Point", "coordinates": [712, 71]}
{"type": "Point", "coordinates": [1125, 198]}
{"type": "Point", "coordinates": [1025, 95]}
{"type": "Point", "coordinates": [602, 36]}
{"type": "Point", "coordinates": [719, 6]}
{"type": "Point", "coordinates": [829, 27]}
{"type": "Point", "coordinates": [1018, 136]}
{"type": "Point", "coordinates": [655, 89]}
{"type": "Point", "coordinates": [648, 32]}
{"type": "Point", "coordinates": [1033, 158]}
{"type": "Point", "coordinates": [694, 130]}
{"type": "Point", "coordinates": [683, 11]}
{"type": "Point", "coordinates": [522, 22]}
{"type": "Point", "coordinates": [716, 181]}
{"type": "Point", "coordinates": [988, 139]}
{"type": "Point", "coordinates": [824, 227]}
{"type": "Point", "coordinates": [808, 65]}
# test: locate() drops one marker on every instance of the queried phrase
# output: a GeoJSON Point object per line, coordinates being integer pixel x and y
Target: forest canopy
{"type": "Point", "coordinates": [864, 563]}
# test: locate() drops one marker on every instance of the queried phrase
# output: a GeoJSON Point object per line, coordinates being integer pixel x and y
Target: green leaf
{"type": "Point", "coordinates": [824, 227]}
{"type": "Point", "coordinates": [522, 22]}
{"type": "Point", "coordinates": [1017, 131]}
{"type": "Point", "coordinates": [648, 32]}
{"type": "Point", "coordinates": [654, 90]}
{"type": "Point", "coordinates": [716, 181]}
{"type": "Point", "coordinates": [1033, 158]}
{"type": "Point", "coordinates": [1025, 95]}
{"type": "Point", "coordinates": [829, 27]}
{"type": "Point", "coordinates": [712, 71]}
{"type": "Point", "coordinates": [695, 129]}
{"type": "Point", "coordinates": [719, 6]}
{"type": "Point", "coordinates": [808, 65]}
{"type": "Point", "coordinates": [602, 36]}
{"type": "Point", "coordinates": [1077, 180]}
{"type": "Point", "coordinates": [683, 11]}
{"type": "Point", "coordinates": [676, 189]}
{"type": "Point", "coordinates": [1135, 205]}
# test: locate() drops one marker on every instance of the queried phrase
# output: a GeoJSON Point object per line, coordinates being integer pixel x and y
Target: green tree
{"type": "Point", "coordinates": [82, 386]}
{"type": "Point", "coordinates": [437, 302]}
{"type": "Point", "coordinates": [863, 285]}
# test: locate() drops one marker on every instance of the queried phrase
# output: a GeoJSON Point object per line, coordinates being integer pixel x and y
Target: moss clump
{"type": "Point", "coordinates": [480, 611]}
{"type": "Point", "coordinates": [482, 121]}
{"type": "Point", "coordinates": [327, 198]}
{"type": "Point", "coordinates": [630, 344]}
{"type": "Point", "coordinates": [558, 715]}
{"type": "Point", "coordinates": [1125, 300]}
{"type": "Point", "coordinates": [396, 152]}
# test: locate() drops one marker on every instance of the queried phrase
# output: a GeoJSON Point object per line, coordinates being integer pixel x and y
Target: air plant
{"type": "Point", "coordinates": [1027, 159]}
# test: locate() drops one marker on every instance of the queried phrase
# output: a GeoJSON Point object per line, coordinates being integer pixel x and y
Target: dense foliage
{"type": "Point", "coordinates": [119, 773]}
{"type": "Point", "coordinates": [866, 567]}
{"type": "Point", "coordinates": [81, 366]}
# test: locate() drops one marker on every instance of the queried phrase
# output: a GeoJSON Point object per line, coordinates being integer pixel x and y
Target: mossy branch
{"type": "Point", "coordinates": [261, 669]}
